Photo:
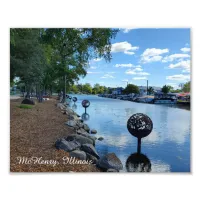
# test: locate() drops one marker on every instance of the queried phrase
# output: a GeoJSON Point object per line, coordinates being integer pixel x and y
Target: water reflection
{"type": "Point", "coordinates": [74, 106]}
{"type": "Point", "coordinates": [138, 162]}
{"type": "Point", "coordinates": [85, 116]}
{"type": "Point", "coordinates": [168, 145]}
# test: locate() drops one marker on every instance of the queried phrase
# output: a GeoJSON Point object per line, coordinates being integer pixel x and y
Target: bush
{"type": "Point", "coordinates": [25, 106]}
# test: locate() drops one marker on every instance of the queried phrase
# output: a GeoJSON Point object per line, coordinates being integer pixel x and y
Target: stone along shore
{"type": "Point", "coordinates": [81, 144]}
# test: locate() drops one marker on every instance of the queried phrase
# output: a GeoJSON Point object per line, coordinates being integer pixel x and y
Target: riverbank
{"type": "Point", "coordinates": [33, 133]}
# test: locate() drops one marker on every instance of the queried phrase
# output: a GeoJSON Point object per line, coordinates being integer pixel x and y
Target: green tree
{"type": "Point", "coordinates": [166, 89]}
{"type": "Point", "coordinates": [74, 89]}
{"type": "Point", "coordinates": [87, 88]}
{"type": "Point", "coordinates": [131, 88]}
{"type": "Point", "coordinates": [186, 87]}
{"type": "Point", "coordinates": [74, 48]}
{"type": "Point", "coordinates": [27, 58]}
{"type": "Point", "coordinates": [150, 90]}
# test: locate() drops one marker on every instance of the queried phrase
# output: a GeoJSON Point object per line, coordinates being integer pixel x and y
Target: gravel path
{"type": "Point", "coordinates": [33, 133]}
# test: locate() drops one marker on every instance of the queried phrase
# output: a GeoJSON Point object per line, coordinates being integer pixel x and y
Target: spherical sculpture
{"type": "Point", "coordinates": [74, 99]}
{"type": "Point", "coordinates": [139, 125]}
{"type": "Point", "coordinates": [85, 103]}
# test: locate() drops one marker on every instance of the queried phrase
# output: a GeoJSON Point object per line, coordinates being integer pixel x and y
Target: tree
{"type": "Point", "coordinates": [166, 89]}
{"type": "Point", "coordinates": [131, 88]}
{"type": "Point", "coordinates": [150, 90]}
{"type": "Point", "coordinates": [176, 91]}
{"type": "Point", "coordinates": [74, 48]}
{"type": "Point", "coordinates": [186, 87]}
{"type": "Point", "coordinates": [27, 59]}
{"type": "Point", "coordinates": [87, 88]}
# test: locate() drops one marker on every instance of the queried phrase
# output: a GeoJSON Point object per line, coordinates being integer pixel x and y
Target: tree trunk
{"type": "Point", "coordinates": [40, 95]}
{"type": "Point", "coordinates": [64, 89]}
{"type": "Point", "coordinates": [28, 92]}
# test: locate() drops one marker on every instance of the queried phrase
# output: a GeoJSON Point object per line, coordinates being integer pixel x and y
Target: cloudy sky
{"type": "Point", "coordinates": [161, 56]}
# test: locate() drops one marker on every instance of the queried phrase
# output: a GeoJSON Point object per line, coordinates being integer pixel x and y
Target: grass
{"type": "Point", "coordinates": [25, 106]}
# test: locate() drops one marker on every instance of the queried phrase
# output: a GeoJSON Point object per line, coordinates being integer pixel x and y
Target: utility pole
{"type": "Point", "coordinates": [147, 87]}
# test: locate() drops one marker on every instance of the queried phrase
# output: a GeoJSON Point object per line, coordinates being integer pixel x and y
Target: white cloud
{"type": "Point", "coordinates": [93, 67]}
{"type": "Point", "coordinates": [124, 47]}
{"type": "Point", "coordinates": [124, 65]}
{"type": "Point", "coordinates": [107, 76]}
{"type": "Point", "coordinates": [136, 71]}
{"type": "Point", "coordinates": [143, 73]}
{"type": "Point", "coordinates": [174, 57]}
{"type": "Point", "coordinates": [97, 59]}
{"type": "Point", "coordinates": [125, 80]}
{"type": "Point", "coordinates": [89, 72]}
{"type": "Point", "coordinates": [153, 55]}
{"type": "Point", "coordinates": [111, 72]}
{"type": "Point", "coordinates": [126, 30]}
{"type": "Point", "coordinates": [185, 49]}
{"type": "Point", "coordinates": [178, 77]}
{"type": "Point", "coordinates": [127, 65]}
{"type": "Point", "coordinates": [133, 71]}
{"type": "Point", "coordinates": [185, 65]}
{"type": "Point", "coordinates": [139, 78]}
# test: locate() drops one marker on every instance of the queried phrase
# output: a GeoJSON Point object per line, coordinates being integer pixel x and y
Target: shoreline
{"type": "Point", "coordinates": [51, 137]}
{"type": "Point", "coordinates": [33, 133]}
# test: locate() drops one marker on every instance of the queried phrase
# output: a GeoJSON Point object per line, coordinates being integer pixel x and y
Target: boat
{"type": "Point", "coordinates": [161, 98]}
{"type": "Point", "coordinates": [183, 98]}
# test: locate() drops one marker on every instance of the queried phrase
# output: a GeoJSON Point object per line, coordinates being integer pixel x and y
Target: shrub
{"type": "Point", "coordinates": [25, 106]}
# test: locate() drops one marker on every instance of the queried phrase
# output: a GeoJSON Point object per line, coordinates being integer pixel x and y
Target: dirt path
{"type": "Point", "coordinates": [33, 133]}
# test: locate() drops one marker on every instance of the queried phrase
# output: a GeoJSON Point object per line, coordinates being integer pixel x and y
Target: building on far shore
{"type": "Point", "coordinates": [118, 90]}
{"type": "Point", "coordinates": [143, 89]}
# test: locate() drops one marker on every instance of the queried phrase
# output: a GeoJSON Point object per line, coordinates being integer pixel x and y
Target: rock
{"type": "Point", "coordinates": [73, 117]}
{"type": "Point", "coordinates": [79, 124]}
{"type": "Point", "coordinates": [100, 138]}
{"type": "Point", "coordinates": [86, 127]}
{"type": "Point", "coordinates": [82, 131]}
{"type": "Point", "coordinates": [28, 101]}
{"type": "Point", "coordinates": [92, 138]}
{"type": "Point", "coordinates": [70, 111]}
{"type": "Point", "coordinates": [89, 148]}
{"type": "Point", "coordinates": [85, 134]}
{"type": "Point", "coordinates": [61, 106]}
{"type": "Point", "coordinates": [110, 161]}
{"type": "Point", "coordinates": [93, 131]}
{"type": "Point", "coordinates": [71, 123]}
{"type": "Point", "coordinates": [78, 154]}
{"type": "Point", "coordinates": [112, 170]}
{"type": "Point", "coordinates": [92, 158]}
{"type": "Point", "coordinates": [80, 139]}
{"type": "Point", "coordinates": [67, 145]}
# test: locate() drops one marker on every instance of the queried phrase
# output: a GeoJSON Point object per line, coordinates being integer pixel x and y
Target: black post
{"type": "Point", "coordinates": [139, 146]}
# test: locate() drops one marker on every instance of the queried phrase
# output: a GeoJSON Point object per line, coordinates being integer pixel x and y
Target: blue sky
{"type": "Point", "coordinates": [161, 56]}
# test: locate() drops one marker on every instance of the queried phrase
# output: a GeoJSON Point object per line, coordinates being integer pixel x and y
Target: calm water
{"type": "Point", "coordinates": [168, 145]}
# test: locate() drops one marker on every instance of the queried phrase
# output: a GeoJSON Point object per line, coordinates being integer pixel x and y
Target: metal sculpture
{"type": "Point", "coordinates": [74, 99]}
{"type": "Point", "coordinates": [139, 125]}
{"type": "Point", "coordinates": [85, 104]}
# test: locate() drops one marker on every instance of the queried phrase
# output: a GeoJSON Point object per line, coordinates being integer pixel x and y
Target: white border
{"type": "Point", "coordinates": [104, 13]}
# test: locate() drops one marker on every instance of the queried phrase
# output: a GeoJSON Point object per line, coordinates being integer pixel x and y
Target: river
{"type": "Point", "coordinates": [167, 148]}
